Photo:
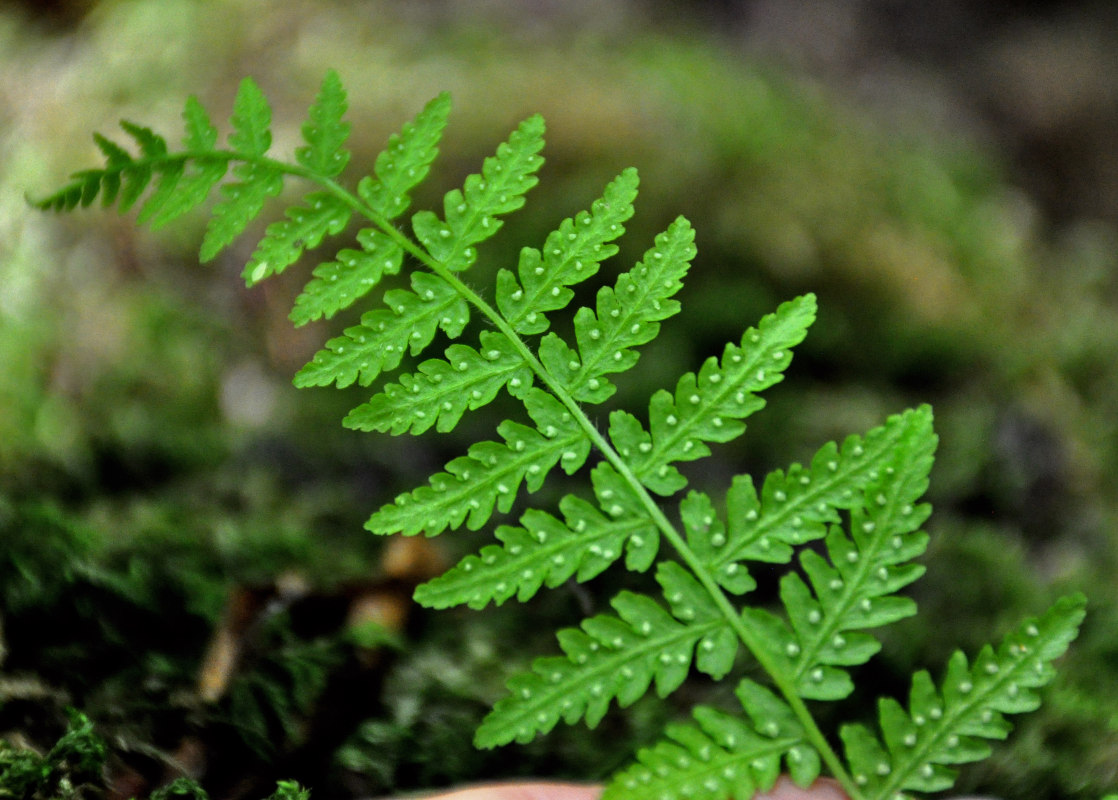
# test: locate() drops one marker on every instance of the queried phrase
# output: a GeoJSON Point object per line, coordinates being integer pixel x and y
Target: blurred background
{"type": "Point", "coordinates": [183, 557]}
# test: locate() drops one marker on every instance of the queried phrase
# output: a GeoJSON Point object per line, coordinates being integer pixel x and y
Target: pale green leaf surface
{"type": "Point", "coordinates": [625, 316]}
{"type": "Point", "coordinates": [571, 254]}
{"type": "Point", "coordinates": [609, 658]}
{"type": "Point", "coordinates": [544, 551]}
{"type": "Point", "coordinates": [950, 725]}
{"type": "Point", "coordinates": [443, 389]}
{"type": "Point", "coordinates": [252, 120]}
{"type": "Point", "coordinates": [353, 274]}
{"type": "Point", "coordinates": [303, 229]}
{"type": "Point", "coordinates": [722, 755]}
{"type": "Point", "coordinates": [241, 203]}
{"type": "Point", "coordinates": [708, 407]}
{"type": "Point", "coordinates": [796, 505]}
{"type": "Point", "coordinates": [405, 162]}
{"type": "Point", "coordinates": [379, 342]}
{"type": "Point", "coordinates": [491, 474]}
{"type": "Point", "coordinates": [471, 213]}
{"type": "Point", "coordinates": [325, 132]}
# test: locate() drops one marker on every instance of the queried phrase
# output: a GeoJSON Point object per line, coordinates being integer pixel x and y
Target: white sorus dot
{"type": "Point", "coordinates": [779, 354]}
{"type": "Point", "coordinates": [868, 526]}
{"type": "Point", "coordinates": [461, 366]}
{"type": "Point", "coordinates": [991, 668]}
{"type": "Point", "coordinates": [881, 499]}
{"type": "Point", "coordinates": [615, 313]}
{"type": "Point", "coordinates": [852, 556]}
{"type": "Point", "coordinates": [792, 649]}
{"type": "Point", "coordinates": [897, 542]}
{"type": "Point", "coordinates": [883, 768]}
{"type": "Point", "coordinates": [731, 569]}
{"type": "Point", "coordinates": [595, 333]}
{"type": "Point", "coordinates": [671, 420]}
{"type": "Point", "coordinates": [707, 645]}
{"type": "Point", "coordinates": [936, 713]}
{"type": "Point", "coordinates": [558, 560]}
{"type": "Point", "coordinates": [882, 573]}
{"type": "Point", "coordinates": [910, 739]}
{"type": "Point", "coordinates": [476, 394]}
{"type": "Point", "coordinates": [637, 541]}
{"type": "Point", "coordinates": [538, 271]}
{"type": "Point", "coordinates": [952, 741]}
{"type": "Point", "coordinates": [572, 365]}
{"type": "Point", "coordinates": [617, 356]}
{"type": "Point", "coordinates": [1013, 690]}
{"type": "Point", "coordinates": [594, 384]}
{"type": "Point", "coordinates": [716, 422]}
{"type": "Point", "coordinates": [817, 675]}
{"type": "Point", "coordinates": [695, 399]}
{"type": "Point", "coordinates": [772, 728]}
{"type": "Point", "coordinates": [714, 378]}
{"type": "Point", "coordinates": [751, 515]}
{"type": "Point", "coordinates": [919, 719]}
{"type": "Point", "coordinates": [814, 616]}
{"type": "Point", "coordinates": [1032, 630]}
{"type": "Point", "coordinates": [965, 687]}
{"type": "Point", "coordinates": [760, 375]}
{"type": "Point", "coordinates": [445, 233]}
{"type": "Point", "coordinates": [906, 509]}
{"type": "Point", "coordinates": [857, 450]}
{"type": "Point", "coordinates": [838, 642]}
{"type": "Point", "coordinates": [428, 295]}
{"type": "Point", "coordinates": [555, 291]}
{"type": "Point", "coordinates": [779, 496]}
{"type": "Point", "coordinates": [835, 584]}
{"type": "Point", "coordinates": [717, 540]}
{"type": "Point", "coordinates": [645, 447]}
{"type": "Point", "coordinates": [866, 604]}
{"type": "Point", "coordinates": [861, 779]}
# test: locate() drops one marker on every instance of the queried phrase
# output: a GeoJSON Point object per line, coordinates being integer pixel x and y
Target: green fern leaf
{"type": "Point", "coordinates": [399, 168]}
{"type": "Point", "coordinates": [243, 200]}
{"type": "Point", "coordinates": [405, 162]}
{"type": "Point", "coordinates": [201, 173]}
{"type": "Point", "coordinates": [948, 726]}
{"type": "Point", "coordinates": [856, 590]}
{"type": "Point", "coordinates": [324, 132]}
{"type": "Point", "coordinates": [546, 551]}
{"type": "Point", "coordinates": [707, 408]}
{"type": "Point", "coordinates": [491, 474]}
{"type": "Point", "coordinates": [338, 284]}
{"type": "Point", "coordinates": [627, 315]}
{"type": "Point", "coordinates": [252, 120]}
{"type": "Point", "coordinates": [795, 506]}
{"type": "Point", "coordinates": [570, 255]}
{"type": "Point", "coordinates": [471, 213]}
{"type": "Point", "coordinates": [610, 658]}
{"type": "Point", "coordinates": [443, 389]}
{"type": "Point", "coordinates": [384, 335]}
{"type": "Point", "coordinates": [723, 756]}
{"type": "Point", "coordinates": [305, 227]}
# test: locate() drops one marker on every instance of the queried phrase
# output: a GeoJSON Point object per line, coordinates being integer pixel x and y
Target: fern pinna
{"type": "Point", "coordinates": [860, 499]}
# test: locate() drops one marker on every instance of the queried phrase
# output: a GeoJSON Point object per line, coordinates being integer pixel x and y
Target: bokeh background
{"type": "Point", "coordinates": [944, 176]}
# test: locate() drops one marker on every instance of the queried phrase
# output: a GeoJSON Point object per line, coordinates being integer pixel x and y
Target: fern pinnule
{"type": "Point", "coordinates": [860, 500]}
{"type": "Point", "coordinates": [399, 168]}
{"type": "Point", "coordinates": [571, 254]}
{"type": "Point", "coordinates": [723, 755]}
{"type": "Point", "coordinates": [947, 726]}
{"type": "Point", "coordinates": [491, 474]}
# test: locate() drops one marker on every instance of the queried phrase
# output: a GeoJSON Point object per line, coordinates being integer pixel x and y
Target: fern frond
{"type": "Point", "coordinates": [399, 168]}
{"type": "Point", "coordinates": [707, 408]}
{"type": "Point", "coordinates": [325, 132]}
{"type": "Point", "coordinates": [796, 505]}
{"type": "Point", "coordinates": [384, 335]}
{"type": "Point", "coordinates": [251, 137]}
{"type": "Point", "coordinates": [471, 213]}
{"type": "Point", "coordinates": [404, 163]}
{"type": "Point", "coordinates": [947, 726]}
{"type": "Point", "coordinates": [571, 254]}
{"type": "Point", "coordinates": [856, 590]}
{"type": "Point", "coordinates": [491, 474]}
{"type": "Point", "coordinates": [200, 174]}
{"type": "Point", "coordinates": [615, 658]}
{"type": "Point", "coordinates": [338, 284]}
{"type": "Point", "coordinates": [545, 551]}
{"type": "Point", "coordinates": [723, 756]}
{"type": "Point", "coordinates": [626, 315]}
{"type": "Point", "coordinates": [443, 389]}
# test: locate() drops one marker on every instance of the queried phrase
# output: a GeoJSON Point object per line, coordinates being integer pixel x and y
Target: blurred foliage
{"type": "Point", "coordinates": [152, 453]}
